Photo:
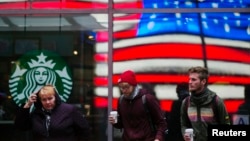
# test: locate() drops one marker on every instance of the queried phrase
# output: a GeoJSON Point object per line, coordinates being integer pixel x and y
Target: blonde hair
{"type": "Point", "coordinates": [47, 90]}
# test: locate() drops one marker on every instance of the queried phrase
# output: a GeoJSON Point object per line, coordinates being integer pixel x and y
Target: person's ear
{"type": "Point", "coordinates": [204, 81]}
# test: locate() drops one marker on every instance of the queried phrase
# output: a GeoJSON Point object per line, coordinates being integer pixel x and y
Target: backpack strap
{"type": "Point", "coordinates": [120, 101]}
{"type": "Point", "coordinates": [152, 126]}
{"type": "Point", "coordinates": [215, 108]}
{"type": "Point", "coordinates": [187, 103]}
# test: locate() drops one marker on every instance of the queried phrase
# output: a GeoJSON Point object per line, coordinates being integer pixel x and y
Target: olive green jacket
{"type": "Point", "coordinates": [201, 111]}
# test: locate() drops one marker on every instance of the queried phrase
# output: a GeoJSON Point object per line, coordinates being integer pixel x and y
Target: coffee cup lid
{"type": "Point", "coordinates": [189, 130]}
{"type": "Point", "coordinates": [113, 112]}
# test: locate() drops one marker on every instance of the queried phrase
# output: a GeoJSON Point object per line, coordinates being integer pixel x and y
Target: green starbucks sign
{"type": "Point", "coordinates": [35, 69]}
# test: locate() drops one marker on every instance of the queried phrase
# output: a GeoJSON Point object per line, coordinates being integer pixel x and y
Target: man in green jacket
{"type": "Point", "coordinates": [202, 108]}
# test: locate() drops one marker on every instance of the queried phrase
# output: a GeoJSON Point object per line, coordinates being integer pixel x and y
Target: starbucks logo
{"type": "Point", "coordinates": [36, 69]}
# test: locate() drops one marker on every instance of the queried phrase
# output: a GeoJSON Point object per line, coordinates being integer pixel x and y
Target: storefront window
{"type": "Point", "coordinates": [52, 4]}
{"type": "Point", "coordinates": [88, 44]}
{"type": "Point", "coordinates": [162, 4]}
{"type": "Point", "coordinates": [161, 47]}
{"type": "Point", "coordinates": [49, 49]}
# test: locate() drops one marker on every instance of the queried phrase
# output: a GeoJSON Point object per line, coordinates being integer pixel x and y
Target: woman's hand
{"type": "Point", "coordinates": [32, 98]}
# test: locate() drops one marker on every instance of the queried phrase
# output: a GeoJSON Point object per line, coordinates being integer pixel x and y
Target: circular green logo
{"type": "Point", "coordinates": [36, 69]}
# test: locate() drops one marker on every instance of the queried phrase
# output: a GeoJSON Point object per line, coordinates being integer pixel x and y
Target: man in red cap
{"type": "Point", "coordinates": [141, 120]}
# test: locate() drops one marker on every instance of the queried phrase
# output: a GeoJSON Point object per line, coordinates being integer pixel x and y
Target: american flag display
{"type": "Point", "coordinates": [160, 47]}
{"type": "Point", "coordinates": [121, 4]}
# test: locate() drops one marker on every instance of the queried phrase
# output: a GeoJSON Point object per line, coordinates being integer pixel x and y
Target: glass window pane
{"type": "Point", "coordinates": [160, 47]}
{"type": "Point", "coordinates": [53, 4]}
{"type": "Point", "coordinates": [14, 4]}
{"type": "Point", "coordinates": [61, 49]}
{"type": "Point", "coordinates": [161, 4]}
{"type": "Point", "coordinates": [158, 39]}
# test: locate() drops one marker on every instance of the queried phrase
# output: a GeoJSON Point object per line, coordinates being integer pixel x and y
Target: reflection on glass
{"type": "Point", "coordinates": [162, 4]}
{"type": "Point", "coordinates": [160, 47]}
{"type": "Point", "coordinates": [54, 23]}
{"type": "Point", "coordinates": [53, 4]}
{"type": "Point", "coordinates": [63, 34]}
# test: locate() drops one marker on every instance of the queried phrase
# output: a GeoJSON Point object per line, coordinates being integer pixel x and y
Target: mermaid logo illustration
{"type": "Point", "coordinates": [36, 69]}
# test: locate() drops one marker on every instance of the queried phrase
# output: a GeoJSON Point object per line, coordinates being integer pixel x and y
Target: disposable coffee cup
{"type": "Point", "coordinates": [114, 114]}
{"type": "Point", "coordinates": [190, 132]}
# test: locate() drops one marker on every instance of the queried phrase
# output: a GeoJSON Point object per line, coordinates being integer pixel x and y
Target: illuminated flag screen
{"type": "Point", "coordinates": [160, 47]}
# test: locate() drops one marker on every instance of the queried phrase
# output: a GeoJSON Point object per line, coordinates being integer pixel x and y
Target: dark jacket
{"type": "Point", "coordinates": [67, 123]}
{"type": "Point", "coordinates": [174, 122]}
{"type": "Point", "coordinates": [134, 121]}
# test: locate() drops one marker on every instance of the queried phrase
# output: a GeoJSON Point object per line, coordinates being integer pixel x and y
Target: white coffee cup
{"type": "Point", "coordinates": [190, 132]}
{"type": "Point", "coordinates": [114, 114]}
